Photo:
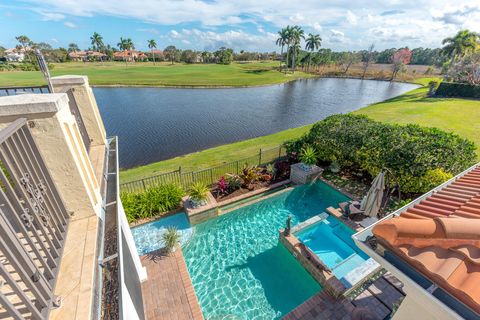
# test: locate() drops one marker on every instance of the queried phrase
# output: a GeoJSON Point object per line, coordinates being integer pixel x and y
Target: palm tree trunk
{"type": "Point", "coordinates": [309, 62]}
{"type": "Point", "coordinates": [153, 55]}
{"type": "Point", "coordinates": [288, 53]}
{"type": "Point", "coordinates": [281, 58]}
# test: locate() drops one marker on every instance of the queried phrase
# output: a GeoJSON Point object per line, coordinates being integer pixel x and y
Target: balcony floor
{"type": "Point", "coordinates": [168, 293]}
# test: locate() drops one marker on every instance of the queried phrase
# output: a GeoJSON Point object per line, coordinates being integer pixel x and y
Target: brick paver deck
{"type": "Point", "coordinates": [168, 293]}
{"type": "Point", "coordinates": [378, 299]}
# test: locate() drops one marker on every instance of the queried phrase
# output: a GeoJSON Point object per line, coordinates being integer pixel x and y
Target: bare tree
{"type": "Point", "coordinates": [367, 58]}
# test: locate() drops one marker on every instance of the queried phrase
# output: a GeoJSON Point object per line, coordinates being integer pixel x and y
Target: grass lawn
{"type": "Point", "coordinates": [162, 74]}
{"type": "Point", "coordinates": [214, 156]}
{"type": "Point", "coordinates": [461, 116]}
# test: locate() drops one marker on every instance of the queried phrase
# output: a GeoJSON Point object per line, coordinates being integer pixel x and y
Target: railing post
{"type": "Point", "coordinates": [260, 157]}
{"type": "Point", "coordinates": [237, 167]}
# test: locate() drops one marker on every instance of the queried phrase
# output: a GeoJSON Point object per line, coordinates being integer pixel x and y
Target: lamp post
{"type": "Point", "coordinates": [44, 68]}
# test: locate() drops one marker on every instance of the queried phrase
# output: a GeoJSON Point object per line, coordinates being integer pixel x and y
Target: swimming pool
{"type": "Point", "coordinates": [332, 242]}
{"type": "Point", "coordinates": [238, 267]}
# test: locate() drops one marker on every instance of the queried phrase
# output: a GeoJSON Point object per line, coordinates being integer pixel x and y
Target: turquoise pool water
{"type": "Point", "coordinates": [237, 265]}
{"type": "Point", "coordinates": [332, 242]}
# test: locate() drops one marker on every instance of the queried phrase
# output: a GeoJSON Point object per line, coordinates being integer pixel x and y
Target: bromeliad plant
{"type": "Point", "coordinates": [222, 185]}
{"type": "Point", "coordinates": [308, 157]}
{"type": "Point", "coordinates": [249, 175]}
{"type": "Point", "coordinates": [171, 238]}
{"type": "Point", "coordinates": [198, 193]}
{"type": "Point", "coordinates": [234, 182]}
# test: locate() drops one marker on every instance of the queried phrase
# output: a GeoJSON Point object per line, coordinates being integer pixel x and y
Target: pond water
{"type": "Point", "coordinates": [155, 124]}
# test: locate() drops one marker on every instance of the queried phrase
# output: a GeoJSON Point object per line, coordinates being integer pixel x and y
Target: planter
{"type": "Point", "coordinates": [301, 173]}
{"type": "Point", "coordinates": [202, 211]}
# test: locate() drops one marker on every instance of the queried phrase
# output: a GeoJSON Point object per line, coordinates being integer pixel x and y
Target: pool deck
{"type": "Point", "coordinates": [168, 293]}
{"type": "Point", "coordinates": [379, 298]}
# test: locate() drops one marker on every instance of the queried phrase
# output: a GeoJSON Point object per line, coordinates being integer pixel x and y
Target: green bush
{"type": "Point", "coordinates": [450, 89]}
{"type": "Point", "coordinates": [425, 183]}
{"type": "Point", "coordinates": [198, 191]}
{"type": "Point", "coordinates": [151, 202]}
{"type": "Point", "coordinates": [409, 152]}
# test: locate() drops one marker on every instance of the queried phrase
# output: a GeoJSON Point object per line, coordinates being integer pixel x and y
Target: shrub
{"type": "Point", "coordinates": [151, 202]}
{"type": "Point", "coordinates": [308, 156]}
{"type": "Point", "coordinates": [198, 191]}
{"type": "Point", "coordinates": [250, 174]}
{"type": "Point", "coordinates": [234, 182]}
{"type": "Point", "coordinates": [270, 169]}
{"type": "Point", "coordinates": [425, 183]}
{"type": "Point", "coordinates": [171, 238]}
{"type": "Point", "coordinates": [449, 89]}
{"type": "Point", "coordinates": [222, 185]}
{"type": "Point", "coordinates": [409, 152]}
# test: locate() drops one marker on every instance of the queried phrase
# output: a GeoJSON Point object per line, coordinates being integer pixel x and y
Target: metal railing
{"type": "Point", "coordinates": [208, 176]}
{"type": "Point", "coordinates": [33, 224]}
{"type": "Point", "coordinates": [11, 91]}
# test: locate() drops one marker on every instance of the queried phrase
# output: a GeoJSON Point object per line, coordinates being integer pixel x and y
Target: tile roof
{"type": "Point", "coordinates": [440, 237]}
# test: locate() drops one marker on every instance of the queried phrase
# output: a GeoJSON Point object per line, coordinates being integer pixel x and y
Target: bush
{"type": "Point", "coordinates": [198, 191]}
{"type": "Point", "coordinates": [450, 89]}
{"type": "Point", "coordinates": [308, 156]}
{"type": "Point", "coordinates": [409, 152]}
{"type": "Point", "coordinates": [234, 182]}
{"type": "Point", "coordinates": [425, 183]}
{"type": "Point", "coordinates": [151, 202]}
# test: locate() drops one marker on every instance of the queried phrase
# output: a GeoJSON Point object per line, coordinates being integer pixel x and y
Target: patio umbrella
{"type": "Point", "coordinates": [373, 200]}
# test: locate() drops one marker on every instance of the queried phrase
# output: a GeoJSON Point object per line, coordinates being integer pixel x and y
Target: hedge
{"type": "Point", "coordinates": [417, 156]}
{"type": "Point", "coordinates": [450, 89]}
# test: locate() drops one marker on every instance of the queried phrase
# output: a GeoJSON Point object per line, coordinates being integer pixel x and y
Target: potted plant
{"type": "Point", "coordinates": [308, 157]}
{"type": "Point", "coordinates": [198, 194]}
{"type": "Point", "coordinates": [171, 239]}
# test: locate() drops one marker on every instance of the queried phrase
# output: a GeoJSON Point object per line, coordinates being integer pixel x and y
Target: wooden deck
{"type": "Point", "coordinates": [168, 293]}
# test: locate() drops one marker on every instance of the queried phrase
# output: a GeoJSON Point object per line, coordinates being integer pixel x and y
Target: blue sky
{"type": "Point", "coordinates": [240, 24]}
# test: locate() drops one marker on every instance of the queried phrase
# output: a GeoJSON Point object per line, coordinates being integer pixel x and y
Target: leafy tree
{"type": "Point", "coordinates": [463, 42]}
{"type": "Point", "coordinates": [312, 43]}
{"type": "Point", "coordinates": [224, 55]}
{"type": "Point", "coordinates": [152, 44]}
{"type": "Point", "coordinates": [296, 34]}
{"type": "Point", "coordinates": [466, 70]}
{"type": "Point", "coordinates": [73, 47]}
{"type": "Point", "coordinates": [189, 56]}
{"type": "Point", "coordinates": [367, 58]}
{"type": "Point", "coordinates": [282, 40]}
{"type": "Point", "coordinates": [171, 53]}
{"type": "Point", "coordinates": [207, 57]}
{"type": "Point", "coordinates": [400, 58]}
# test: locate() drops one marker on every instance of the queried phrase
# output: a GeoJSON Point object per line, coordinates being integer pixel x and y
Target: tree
{"type": "Point", "coordinates": [462, 43]}
{"type": "Point", "coordinates": [367, 58]}
{"type": "Point", "coordinates": [97, 42]}
{"type": "Point", "coordinates": [465, 70]}
{"type": "Point", "coordinates": [296, 34]}
{"type": "Point", "coordinates": [207, 57]}
{"type": "Point", "coordinates": [189, 56]}
{"type": "Point", "coordinates": [223, 55]}
{"type": "Point", "coordinates": [170, 53]}
{"type": "Point", "coordinates": [125, 45]}
{"type": "Point", "coordinates": [152, 44]}
{"type": "Point", "coordinates": [312, 43]}
{"type": "Point", "coordinates": [282, 40]}
{"type": "Point", "coordinates": [400, 58]}
{"type": "Point", "coordinates": [288, 31]}
{"type": "Point", "coordinates": [349, 58]}
{"type": "Point", "coordinates": [73, 47]}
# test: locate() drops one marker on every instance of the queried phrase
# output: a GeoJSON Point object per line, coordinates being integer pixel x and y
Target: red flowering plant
{"type": "Point", "coordinates": [222, 185]}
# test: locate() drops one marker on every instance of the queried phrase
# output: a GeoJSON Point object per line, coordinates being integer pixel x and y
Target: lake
{"type": "Point", "coordinates": [155, 124]}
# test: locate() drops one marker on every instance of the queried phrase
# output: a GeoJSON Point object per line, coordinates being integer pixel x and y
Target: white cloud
{"type": "Point", "coordinates": [385, 22]}
{"type": "Point", "coordinates": [149, 30]}
{"type": "Point", "coordinates": [70, 25]}
{"type": "Point", "coordinates": [351, 18]}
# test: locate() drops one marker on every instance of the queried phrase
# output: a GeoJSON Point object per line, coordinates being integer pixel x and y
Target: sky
{"type": "Point", "coordinates": [249, 25]}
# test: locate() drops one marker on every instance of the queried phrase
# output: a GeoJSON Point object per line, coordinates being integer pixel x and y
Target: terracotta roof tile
{"type": "Point", "coordinates": [440, 237]}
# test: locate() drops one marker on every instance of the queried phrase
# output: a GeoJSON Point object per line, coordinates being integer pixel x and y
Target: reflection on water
{"type": "Point", "coordinates": [154, 124]}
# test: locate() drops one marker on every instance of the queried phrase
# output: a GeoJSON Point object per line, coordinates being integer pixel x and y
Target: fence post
{"type": "Point", "coordinates": [143, 183]}
{"type": "Point", "coordinates": [211, 176]}
{"type": "Point", "coordinates": [260, 157]}
{"type": "Point", "coordinates": [279, 151]}
{"type": "Point", "coordinates": [237, 167]}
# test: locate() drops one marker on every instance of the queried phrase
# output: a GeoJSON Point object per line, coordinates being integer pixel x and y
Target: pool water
{"type": "Point", "coordinates": [332, 241]}
{"type": "Point", "coordinates": [238, 267]}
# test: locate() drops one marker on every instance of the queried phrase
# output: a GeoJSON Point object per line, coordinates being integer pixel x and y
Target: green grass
{"type": "Point", "coordinates": [214, 156]}
{"type": "Point", "coordinates": [460, 116]}
{"type": "Point", "coordinates": [162, 74]}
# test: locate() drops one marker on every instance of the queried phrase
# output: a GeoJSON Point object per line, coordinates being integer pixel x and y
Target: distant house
{"type": "Point", "coordinates": [129, 55]}
{"type": "Point", "coordinates": [86, 55]}
{"type": "Point", "coordinates": [15, 55]}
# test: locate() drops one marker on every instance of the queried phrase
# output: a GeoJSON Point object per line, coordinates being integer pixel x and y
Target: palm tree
{"type": "Point", "coordinates": [463, 42]}
{"type": "Point", "coordinates": [282, 41]}
{"type": "Point", "coordinates": [125, 45]}
{"type": "Point", "coordinates": [312, 43]}
{"type": "Point", "coordinates": [152, 44]}
{"type": "Point", "coordinates": [97, 42]}
{"type": "Point", "coordinates": [73, 47]}
{"type": "Point", "coordinates": [296, 34]}
{"type": "Point", "coordinates": [295, 48]}
{"type": "Point", "coordinates": [288, 32]}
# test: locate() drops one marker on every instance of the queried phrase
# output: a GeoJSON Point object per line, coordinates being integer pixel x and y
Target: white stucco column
{"type": "Point", "coordinates": [56, 133]}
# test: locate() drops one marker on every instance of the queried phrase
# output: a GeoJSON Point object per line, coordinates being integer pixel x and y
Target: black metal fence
{"type": "Point", "coordinates": [208, 176]}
